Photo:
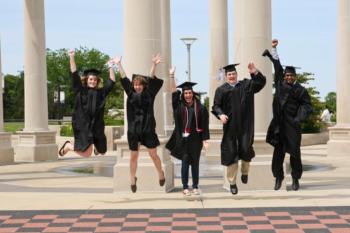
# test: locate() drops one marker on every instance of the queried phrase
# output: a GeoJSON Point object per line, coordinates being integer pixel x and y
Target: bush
{"type": "Point", "coordinates": [67, 130]}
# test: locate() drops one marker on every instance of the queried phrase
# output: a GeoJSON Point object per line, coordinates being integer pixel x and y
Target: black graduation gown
{"type": "Point", "coordinates": [238, 104]}
{"type": "Point", "coordinates": [188, 148]}
{"type": "Point", "coordinates": [291, 105]}
{"type": "Point", "coordinates": [139, 107]}
{"type": "Point", "coordinates": [87, 120]}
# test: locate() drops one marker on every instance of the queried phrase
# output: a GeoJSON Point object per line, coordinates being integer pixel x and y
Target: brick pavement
{"type": "Point", "coordinates": [240, 220]}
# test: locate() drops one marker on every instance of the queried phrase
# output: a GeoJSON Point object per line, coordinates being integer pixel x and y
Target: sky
{"type": "Point", "coordinates": [306, 30]}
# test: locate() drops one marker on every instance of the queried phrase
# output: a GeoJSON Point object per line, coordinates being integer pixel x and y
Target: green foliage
{"type": "Point", "coordinates": [113, 121]}
{"type": "Point", "coordinates": [14, 97]}
{"type": "Point", "coordinates": [206, 102]}
{"type": "Point", "coordinates": [331, 104]}
{"type": "Point", "coordinates": [67, 130]}
{"type": "Point", "coordinates": [12, 127]}
{"type": "Point", "coordinates": [313, 123]}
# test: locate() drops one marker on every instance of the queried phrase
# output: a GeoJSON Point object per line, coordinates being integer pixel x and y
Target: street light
{"type": "Point", "coordinates": [188, 42]}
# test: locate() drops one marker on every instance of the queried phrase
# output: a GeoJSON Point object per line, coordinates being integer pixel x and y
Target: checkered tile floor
{"type": "Point", "coordinates": [257, 220]}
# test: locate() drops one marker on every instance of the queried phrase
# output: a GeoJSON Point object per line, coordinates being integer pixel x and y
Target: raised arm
{"type": "Point", "coordinates": [73, 66]}
{"type": "Point", "coordinates": [172, 79]}
{"type": "Point", "coordinates": [258, 80]}
{"type": "Point", "coordinates": [111, 70]}
{"type": "Point", "coordinates": [273, 56]}
{"type": "Point", "coordinates": [118, 61]}
{"type": "Point", "coordinates": [155, 61]}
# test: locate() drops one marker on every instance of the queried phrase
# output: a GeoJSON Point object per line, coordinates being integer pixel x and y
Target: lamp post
{"type": "Point", "coordinates": [188, 42]}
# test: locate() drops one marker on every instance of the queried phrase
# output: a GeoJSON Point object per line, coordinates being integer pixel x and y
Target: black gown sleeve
{"type": "Point", "coordinates": [257, 82]}
{"type": "Point", "coordinates": [175, 99]}
{"type": "Point", "coordinates": [108, 87]}
{"type": "Point", "coordinates": [305, 107]}
{"type": "Point", "coordinates": [126, 84]}
{"type": "Point", "coordinates": [154, 85]}
{"type": "Point", "coordinates": [205, 133]}
{"type": "Point", "coordinates": [76, 82]}
{"type": "Point", "coordinates": [217, 106]}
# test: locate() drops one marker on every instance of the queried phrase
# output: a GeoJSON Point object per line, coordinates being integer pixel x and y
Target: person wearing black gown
{"type": "Point", "coordinates": [141, 92]}
{"type": "Point", "coordinates": [191, 131]}
{"type": "Point", "coordinates": [234, 106]}
{"type": "Point", "coordinates": [291, 105]}
{"type": "Point", "coordinates": [89, 102]}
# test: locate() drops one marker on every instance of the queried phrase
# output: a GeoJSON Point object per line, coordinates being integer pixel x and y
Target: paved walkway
{"type": "Point", "coordinates": [86, 202]}
{"type": "Point", "coordinates": [244, 220]}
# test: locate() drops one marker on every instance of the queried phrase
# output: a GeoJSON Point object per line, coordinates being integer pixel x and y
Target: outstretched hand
{"type": "Point", "coordinates": [71, 53]}
{"type": "Point", "coordinates": [157, 59]}
{"type": "Point", "coordinates": [117, 60]}
{"type": "Point", "coordinates": [251, 68]}
{"type": "Point", "coordinates": [172, 71]}
{"type": "Point", "coordinates": [274, 43]}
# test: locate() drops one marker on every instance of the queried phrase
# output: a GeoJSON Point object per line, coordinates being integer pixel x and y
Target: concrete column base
{"type": "Point", "coordinates": [339, 141]}
{"type": "Point", "coordinates": [6, 150]}
{"type": "Point", "coordinates": [147, 175]}
{"type": "Point", "coordinates": [36, 146]}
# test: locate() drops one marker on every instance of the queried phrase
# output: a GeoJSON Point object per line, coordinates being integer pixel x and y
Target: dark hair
{"type": "Point", "coordinates": [196, 96]}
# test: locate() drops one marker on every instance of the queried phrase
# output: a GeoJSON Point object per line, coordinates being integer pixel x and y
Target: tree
{"type": "Point", "coordinates": [331, 104]}
{"type": "Point", "coordinates": [313, 123]}
{"type": "Point", "coordinates": [14, 97]}
{"type": "Point", "coordinates": [58, 73]}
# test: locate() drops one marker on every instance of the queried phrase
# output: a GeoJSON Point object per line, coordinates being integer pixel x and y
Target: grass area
{"type": "Point", "coordinates": [85, 170]}
{"type": "Point", "coordinates": [12, 127]}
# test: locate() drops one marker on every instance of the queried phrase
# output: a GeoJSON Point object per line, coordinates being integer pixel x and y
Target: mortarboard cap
{"type": "Point", "coordinates": [230, 68]}
{"type": "Point", "coordinates": [139, 75]}
{"type": "Point", "coordinates": [92, 71]}
{"type": "Point", "coordinates": [290, 69]}
{"type": "Point", "coordinates": [186, 85]}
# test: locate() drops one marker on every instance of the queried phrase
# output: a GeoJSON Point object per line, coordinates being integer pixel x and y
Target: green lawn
{"type": "Point", "coordinates": [12, 127]}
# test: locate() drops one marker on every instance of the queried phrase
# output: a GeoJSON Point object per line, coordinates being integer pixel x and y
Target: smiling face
{"type": "Point", "coordinates": [231, 77]}
{"type": "Point", "coordinates": [92, 81]}
{"type": "Point", "coordinates": [290, 78]}
{"type": "Point", "coordinates": [188, 96]}
{"type": "Point", "coordinates": [138, 86]}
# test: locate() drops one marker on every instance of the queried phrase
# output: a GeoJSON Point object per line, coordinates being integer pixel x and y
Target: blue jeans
{"type": "Point", "coordinates": [184, 174]}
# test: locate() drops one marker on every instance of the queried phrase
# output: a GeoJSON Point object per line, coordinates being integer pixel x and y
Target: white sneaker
{"type": "Point", "coordinates": [186, 192]}
{"type": "Point", "coordinates": [195, 192]}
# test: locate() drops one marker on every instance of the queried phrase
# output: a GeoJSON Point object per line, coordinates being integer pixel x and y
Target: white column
{"type": "Point", "coordinates": [6, 150]}
{"type": "Point", "coordinates": [36, 142]}
{"type": "Point", "coordinates": [252, 35]}
{"type": "Point", "coordinates": [218, 58]}
{"type": "Point", "coordinates": [339, 143]}
{"type": "Point", "coordinates": [143, 39]}
{"type": "Point", "coordinates": [218, 30]}
{"type": "Point", "coordinates": [164, 67]}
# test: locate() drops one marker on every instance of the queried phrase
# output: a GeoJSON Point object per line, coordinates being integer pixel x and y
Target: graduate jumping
{"type": "Point", "coordinates": [89, 102]}
{"type": "Point", "coordinates": [234, 107]}
{"type": "Point", "coordinates": [191, 131]}
{"type": "Point", "coordinates": [291, 105]}
{"type": "Point", "coordinates": [141, 92]}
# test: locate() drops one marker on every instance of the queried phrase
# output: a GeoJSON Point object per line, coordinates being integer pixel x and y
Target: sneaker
{"type": "Point", "coordinates": [186, 192]}
{"type": "Point", "coordinates": [195, 192]}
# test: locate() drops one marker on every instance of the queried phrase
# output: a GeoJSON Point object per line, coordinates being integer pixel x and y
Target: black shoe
{"type": "Point", "coordinates": [266, 53]}
{"type": "Point", "coordinates": [244, 179]}
{"type": "Point", "coordinates": [295, 184]}
{"type": "Point", "coordinates": [278, 182]}
{"type": "Point", "coordinates": [233, 189]}
{"type": "Point", "coordinates": [133, 186]}
{"type": "Point", "coordinates": [61, 152]}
